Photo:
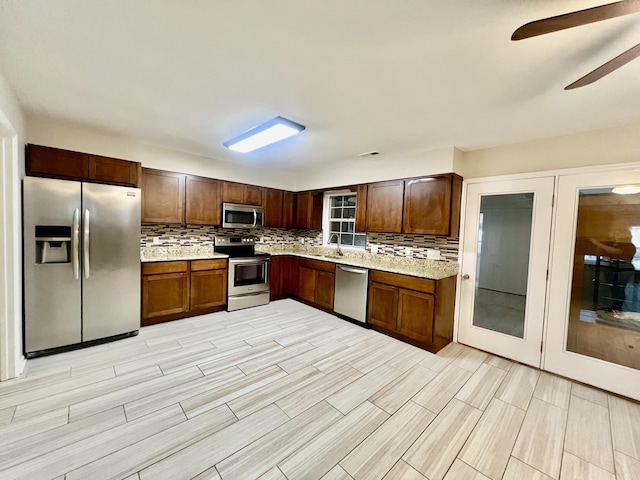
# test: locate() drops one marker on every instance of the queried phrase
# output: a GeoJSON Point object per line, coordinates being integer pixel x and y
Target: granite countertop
{"type": "Point", "coordinates": [418, 267]}
{"type": "Point", "coordinates": [188, 252]}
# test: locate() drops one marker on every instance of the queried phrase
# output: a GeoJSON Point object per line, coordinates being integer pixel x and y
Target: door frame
{"type": "Point", "coordinates": [12, 361]}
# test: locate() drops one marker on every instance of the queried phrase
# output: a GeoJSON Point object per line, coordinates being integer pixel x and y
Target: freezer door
{"type": "Point", "coordinates": [111, 260]}
{"type": "Point", "coordinates": [52, 286]}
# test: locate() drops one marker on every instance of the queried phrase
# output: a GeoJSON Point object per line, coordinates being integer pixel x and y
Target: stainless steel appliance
{"type": "Point", "coordinates": [81, 262]}
{"type": "Point", "coordinates": [351, 292]}
{"type": "Point", "coordinates": [241, 216]}
{"type": "Point", "coordinates": [248, 272]}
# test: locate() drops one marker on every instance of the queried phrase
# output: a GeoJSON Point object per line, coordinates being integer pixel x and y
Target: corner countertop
{"type": "Point", "coordinates": [417, 267]}
{"type": "Point", "coordinates": [173, 253]}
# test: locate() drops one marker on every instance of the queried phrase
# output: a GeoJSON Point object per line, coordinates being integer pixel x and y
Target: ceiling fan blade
{"type": "Point", "coordinates": [575, 19]}
{"type": "Point", "coordinates": [607, 68]}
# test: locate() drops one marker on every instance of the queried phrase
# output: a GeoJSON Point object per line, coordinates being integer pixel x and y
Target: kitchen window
{"type": "Point", "coordinates": [339, 220]}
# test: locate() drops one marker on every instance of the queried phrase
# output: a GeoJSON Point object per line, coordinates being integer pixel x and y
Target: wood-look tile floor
{"type": "Point", "coordinates": [284, 391]}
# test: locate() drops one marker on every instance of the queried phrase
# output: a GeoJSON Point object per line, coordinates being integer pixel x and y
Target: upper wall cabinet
{"type": "Point", "coordinates": [308, 208]}
{"type": "Point", "coordinates": [278, 208]}
{"type": "Point", "coordinates": [58, 163]}
{"type": "Point", "coordinates": [361, 208]}
{"type": "Point", "coordinates": [384, 206]}
{"type": "Point", "coordinates": [162, 196]}
{"type": "Point", "coordinates": [241, 193]}
{"type": "Point", "coordinates": [203, 205]}
{"type": "Point", "coordinates": [432, 205]}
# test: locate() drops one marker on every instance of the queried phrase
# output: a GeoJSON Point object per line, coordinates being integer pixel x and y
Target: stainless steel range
{"type": "Point", "coordinates": [248, 284]}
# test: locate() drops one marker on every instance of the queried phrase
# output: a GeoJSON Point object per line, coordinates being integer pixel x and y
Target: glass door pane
{"type": "Point", "coordinates": [604, 313]}
{"type": "Point", "coordinates": [502, 267]}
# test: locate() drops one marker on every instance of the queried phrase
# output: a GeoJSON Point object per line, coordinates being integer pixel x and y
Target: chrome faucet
{"type": "Point", "coordinates": [338, 251]}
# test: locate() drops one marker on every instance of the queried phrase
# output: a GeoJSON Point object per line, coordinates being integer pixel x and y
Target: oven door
{"type": "Point", "coordinates": [248, 275]}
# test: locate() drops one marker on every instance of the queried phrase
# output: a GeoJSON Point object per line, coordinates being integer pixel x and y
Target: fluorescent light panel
{"type": "Point", "coordinates": [265, 134]}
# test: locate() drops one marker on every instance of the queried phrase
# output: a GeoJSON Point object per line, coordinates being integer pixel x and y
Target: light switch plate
{"type": "Point", "coordinates": [156, 240]}
{"type": "Point", "coordinates": [433, 254]}
{"type": "Point", "coordinates": [302, 240]}
{"type": "Point", "coordinates": [374, 248]}
{"type": "Point", "coordinates": [407, 251]}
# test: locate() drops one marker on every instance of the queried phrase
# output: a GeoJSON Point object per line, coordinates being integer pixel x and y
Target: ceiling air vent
{"type": "Point", "coordinates": [369, 154]}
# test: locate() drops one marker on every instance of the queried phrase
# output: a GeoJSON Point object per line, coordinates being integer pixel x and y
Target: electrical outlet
{"type": "Point", "coordinates": [301, 240]}
{"type": "Point", "coordinates": [156, 240]}
{"type": "Point", "coordinates": [407, 251]}
{"type": "Point", "coordinates": [433, 254]}
{"type": "Point", "coordinates": [374, 248]}
{"type": "Point", "coordinates": [261, 239]}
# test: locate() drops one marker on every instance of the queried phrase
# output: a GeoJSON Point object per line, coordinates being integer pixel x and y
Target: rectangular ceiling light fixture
{"type": "Point", "coordinates": [265, 134]}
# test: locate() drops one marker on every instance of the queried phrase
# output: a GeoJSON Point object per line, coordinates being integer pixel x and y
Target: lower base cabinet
{"type": "Point", "coordinates": [172, 290]}
{"type": "Point", "coordinates": [316, 282]}
{"type": "Point", "coordinates": [283, 276]}
{"type": "Point", "coordinates": [416, 310]}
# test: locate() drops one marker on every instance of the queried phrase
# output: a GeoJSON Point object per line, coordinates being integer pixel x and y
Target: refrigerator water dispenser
{"type": "Point", "coordinates": [53, 244]}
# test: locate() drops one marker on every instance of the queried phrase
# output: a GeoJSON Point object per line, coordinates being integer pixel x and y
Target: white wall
{"type": "Point", "coordinates": [613, 145]}
{"type": "Point", "coordinates": [381, 167]}
{"type": "Point", "coordinates": [12, 135]}
{"type": "Point", "coordinates": [52, 133]}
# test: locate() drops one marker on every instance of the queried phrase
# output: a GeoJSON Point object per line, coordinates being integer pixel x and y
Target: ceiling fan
{"type": "Point", "coordinates": [583, 17]}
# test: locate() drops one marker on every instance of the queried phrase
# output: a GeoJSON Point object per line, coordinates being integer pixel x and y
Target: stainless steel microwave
{"type": "Point", "coordinates": [241, 216]}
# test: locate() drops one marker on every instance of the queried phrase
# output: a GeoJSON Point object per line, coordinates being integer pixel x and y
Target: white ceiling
{"type": "Point", "coordinates": [385, 75]}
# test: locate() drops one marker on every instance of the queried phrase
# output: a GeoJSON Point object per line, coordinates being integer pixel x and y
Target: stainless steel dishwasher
{"type": "Point", "coordinates": [351, 292]}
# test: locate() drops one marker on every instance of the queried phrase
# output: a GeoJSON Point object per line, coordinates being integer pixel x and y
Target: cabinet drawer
{"type": "Point", "coordinates": [405, 281]}
{"type": "Point", "coordinates": [164, 267]}
{"type": "Point", "coordinates": [318, 265]}
{"type": "Point", "coordinates": [198, 265]}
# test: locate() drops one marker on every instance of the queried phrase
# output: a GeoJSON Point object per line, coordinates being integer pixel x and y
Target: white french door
{"type": "Point", "coordinates": [505, 251]}
{"type": "Point", "coordinates": [593, 332]}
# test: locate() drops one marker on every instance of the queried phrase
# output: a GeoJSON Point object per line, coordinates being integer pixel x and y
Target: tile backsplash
{"type": "Point", "coordinates": [387, 243]}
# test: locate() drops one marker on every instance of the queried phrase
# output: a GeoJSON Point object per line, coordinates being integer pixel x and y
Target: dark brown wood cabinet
{"type": "Point", "coordinates": [203, 201]}
{"type": "Point", "coordinates": [66, 164]}
{"type": "Point", "coordinates": [165, 290]}
{"type": "Point", "coordinates": [173, 290]}
{"type": "Point", "coordinates": [432, 205]}
{"type": "Point", "coordinates": [208, 286]}
{"type": "Point", "coordinates": [112, 170]}
{"type": "Point", "coordinates": [273, 207]}
{"type": "Point", "coordinates": [287, 209]}
{"type": "Point", "coordinates": [308, 208]}
{"type": "Point", "coordinates": [163, 196]}
{"type": "Point", "coordinates": [316, 280]}
{"type": "Point", "coordinates": [361, 208]}
{"type": "Point", "coordinates": [283, 280]}
{"type": "Point", "coordinates": [416, 310]}
{"type": "Point", "coordinates": [242, 193]}
{"type": "Point", "coordinates": [384, 206]}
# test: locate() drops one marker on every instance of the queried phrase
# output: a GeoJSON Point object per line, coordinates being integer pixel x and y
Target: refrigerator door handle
{"type": "Point", "coordinates": [75, 238]}
{"type": "Point", "coordinates": [85, 244]}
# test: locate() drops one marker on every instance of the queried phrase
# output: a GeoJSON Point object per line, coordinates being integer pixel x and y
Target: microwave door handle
{"type": "Point", "coordinates": [255, 217]}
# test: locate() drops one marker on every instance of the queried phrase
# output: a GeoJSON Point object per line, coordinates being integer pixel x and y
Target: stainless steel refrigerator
{"type": "Point", "coordinates": [81, 262]}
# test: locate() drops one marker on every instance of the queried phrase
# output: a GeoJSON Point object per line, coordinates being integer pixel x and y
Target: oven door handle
{"type": "Point", "coordinates": [250, 261]}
